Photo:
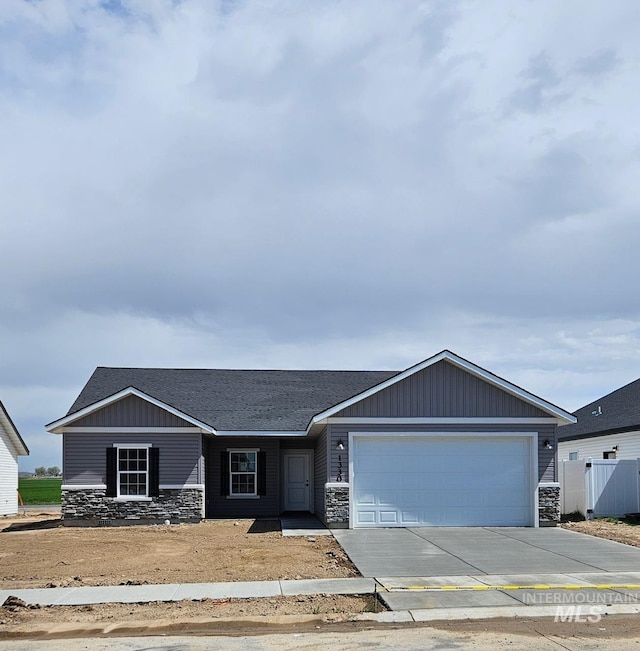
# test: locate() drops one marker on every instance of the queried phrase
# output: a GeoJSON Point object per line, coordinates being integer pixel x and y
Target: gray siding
{"type": "Point", "coordinates": [220, 506]}
{"type": "Point", "coordinates": [84, 456]}
{"type": "Point", "coordinates": [131, 412]}
{"type": "Point", "coordinates": [546, 465]}
{"type": "Point", "coordinates": [320, 473]}
{"type": "Point", "coordinates": [442, 390]}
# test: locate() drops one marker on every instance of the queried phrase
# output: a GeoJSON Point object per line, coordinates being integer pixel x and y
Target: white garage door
{"type": "Point", "coordinates": [442, 481]}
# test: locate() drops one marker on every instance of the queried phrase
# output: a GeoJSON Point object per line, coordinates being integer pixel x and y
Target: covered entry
{"type": "Point", "coordinates": [442, 480]}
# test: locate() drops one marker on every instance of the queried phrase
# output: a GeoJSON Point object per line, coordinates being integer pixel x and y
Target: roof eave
{"type": "Point", "coordinates": [8, 425]}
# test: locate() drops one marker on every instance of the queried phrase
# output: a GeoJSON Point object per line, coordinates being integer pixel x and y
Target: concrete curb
{"type": "Point", "coordinates": [223, 625]}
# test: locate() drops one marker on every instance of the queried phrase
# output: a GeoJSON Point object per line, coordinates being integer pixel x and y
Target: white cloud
{"type": "Point", "coordinates": [299, 184]}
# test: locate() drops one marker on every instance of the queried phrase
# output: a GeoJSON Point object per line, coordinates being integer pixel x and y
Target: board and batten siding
{"type": "Point", "coordinates": [321, 474]}
{"type": "Point", "coordinates": [340, 432]}
{"type": "Point", "coordinates": [442, 391]}
{"type": "Point", "coordinates": [594, 446]}
{"type": "Point", "coordinates": [8, 475]}
{"type": "Point", "coordinates": [131, 411]}
{"type": "Point", "coordinates": [84, 456]}
{"type": "Point", "coordinates": [223, 506]}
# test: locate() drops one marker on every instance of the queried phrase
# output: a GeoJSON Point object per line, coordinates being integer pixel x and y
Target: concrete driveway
{"type": "Point", "coordinates": [469, 556]}
{"type": "Point", "coordinates": [462, 551]}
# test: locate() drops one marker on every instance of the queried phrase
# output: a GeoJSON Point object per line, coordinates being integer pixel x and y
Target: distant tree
{"type": "Point", "coordinates": [41, 471]}
{"type": "Point", "coordinates": [54, 471]}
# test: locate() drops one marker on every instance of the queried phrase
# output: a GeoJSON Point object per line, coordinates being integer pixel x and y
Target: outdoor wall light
{"type": "Point", "coordinates": [547, 444]}
{"type": "Point", "coordinates": [340, 445]}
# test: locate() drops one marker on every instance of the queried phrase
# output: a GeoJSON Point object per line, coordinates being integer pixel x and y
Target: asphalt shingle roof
{"type": "Point", "coordinates": [236, 400]}
{"type": "Point", "coordinates": [620, 410]}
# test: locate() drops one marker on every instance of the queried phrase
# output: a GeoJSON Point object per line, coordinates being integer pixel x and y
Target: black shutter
{"type": "Point", "coordinates": [262, 473]}
{"type": "Point", "coordinates": [112, 473]}
{"type": "Point", "coordinates": [224, 473]}
{"type": "Point", "coordinates": [154, 472]}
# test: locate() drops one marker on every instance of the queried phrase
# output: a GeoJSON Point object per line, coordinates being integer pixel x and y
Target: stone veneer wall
{"type": "Point", "coordinates": [89, 505]}
{"type": "Point", "coordinates": [336, 505]}
{"type": "Point", "coordinates": [549, 505]}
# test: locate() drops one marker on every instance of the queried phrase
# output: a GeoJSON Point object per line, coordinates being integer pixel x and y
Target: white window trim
{"type": "Point", "coordinates": [132, 498]}
{"type": "Point", "coordinates": [243, 496]}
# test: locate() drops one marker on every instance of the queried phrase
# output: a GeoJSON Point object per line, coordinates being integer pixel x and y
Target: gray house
{"type": "Point", "coordinates": [443, 443]}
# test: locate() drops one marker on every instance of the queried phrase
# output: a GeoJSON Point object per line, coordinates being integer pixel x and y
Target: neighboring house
{"type": "Point", "coordinates": [607, 428]}
{"type": "Point", "coordinates": [443, 443]}
{"type": "Point", "coordinates": [11, 447]}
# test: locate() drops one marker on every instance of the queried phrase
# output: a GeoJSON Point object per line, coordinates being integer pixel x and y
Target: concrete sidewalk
{"type": "Point", "coordinates": [85, 595]}
{"type": "Point", "coordinates": [399, 594]}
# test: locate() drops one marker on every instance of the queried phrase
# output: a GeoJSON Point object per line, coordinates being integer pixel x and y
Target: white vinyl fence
{"type": "Point", "coordinates": [600, 487]}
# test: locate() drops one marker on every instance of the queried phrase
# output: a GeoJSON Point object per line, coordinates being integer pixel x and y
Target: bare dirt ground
{"type": "Point", "coordinates": [629, 534]}
{"type": "Point", "coordinates": [37, 551]}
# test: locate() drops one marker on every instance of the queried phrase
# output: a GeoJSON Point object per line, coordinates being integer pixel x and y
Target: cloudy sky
{"type": "Point", "coordinates": [301, 184]}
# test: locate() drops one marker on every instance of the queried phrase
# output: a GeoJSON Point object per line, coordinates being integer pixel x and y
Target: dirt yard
{"type": "Point", "coordinates": [629, 534]}
{"type": "Point", "coordinates": [38, 552]}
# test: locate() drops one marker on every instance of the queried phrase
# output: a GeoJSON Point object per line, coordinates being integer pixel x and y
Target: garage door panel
{"type": "Point", "coordinates": [440, 481]}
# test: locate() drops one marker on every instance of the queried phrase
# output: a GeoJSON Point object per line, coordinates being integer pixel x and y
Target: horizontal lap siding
{"type": "Point", "coordinates": [440, 391]}
{"type": "Point", "coordinates": [84, 456]}
{"type": "Point", "coordinates": [337, 432]}
{"type": "Point", "coordinates": [220, 506]}
{"type": "Point", "coordinates": [628, 446]}
{"type": "Point", "coordinates": [8, 476]}
{"type": "Point", "coordinates": [131, 412]}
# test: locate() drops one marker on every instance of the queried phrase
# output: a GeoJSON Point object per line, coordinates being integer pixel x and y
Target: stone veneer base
{"type": "Point", "coordinates": [92, 507]}
{"type": "Point", "coordinates": [549, 505]}
{"type": "Point", "coordinates": [336, 505]}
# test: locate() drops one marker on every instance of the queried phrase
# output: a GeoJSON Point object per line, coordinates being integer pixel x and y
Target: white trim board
{"type": "Point", "coordinates": [427, 420]}
{"type": "Point", "coordinates": [82, 487]}
{"type": "Point", "coordinates": [130, 430]}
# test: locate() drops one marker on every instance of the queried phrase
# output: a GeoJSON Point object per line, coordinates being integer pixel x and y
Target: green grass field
{"type": "Point", "coordinates": [40, 491]}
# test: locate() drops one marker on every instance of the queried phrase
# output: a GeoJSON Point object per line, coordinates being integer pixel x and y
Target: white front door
{"type": "Point", "coordinates": [296, 481]}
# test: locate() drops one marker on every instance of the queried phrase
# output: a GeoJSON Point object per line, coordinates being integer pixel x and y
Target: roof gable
{"type": "Point", "coordinates": [11, 432]}
{"type": "Point", "coordinates": [142, 409]}
{"type": "Point", "coordinates": [442, 390]}
{"type": "Point", "coordinates": [449, 394]}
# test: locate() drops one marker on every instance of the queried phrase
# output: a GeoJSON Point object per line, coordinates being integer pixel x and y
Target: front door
{"type": "Point", "coordinates": [296, 481]}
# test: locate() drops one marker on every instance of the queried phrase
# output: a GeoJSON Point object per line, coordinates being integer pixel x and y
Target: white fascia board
{"type": "Point", "coordinates": [447, 355]}
{"type": "Point", "coordinates": [16, 440]}
{"type": "Point", "coordinates": [262, 433]}
{"type": "Point", "coordinates": [463, 420]}
{"type": "Point", "coordinates": [56, 425]}
{"type": "Point", "coordinates": [70, 429]}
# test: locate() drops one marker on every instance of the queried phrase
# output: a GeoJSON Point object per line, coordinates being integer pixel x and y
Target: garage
{"type": "Point", "coordinates": [470, 479]}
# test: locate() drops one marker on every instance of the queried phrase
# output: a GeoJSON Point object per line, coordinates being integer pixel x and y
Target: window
{"type": "Point", "coordinates": [573, 456]}
{"type": "Point", "coordinates": [243, 472]}
{"type": "Point", "coordinates": [133, 471]}
{"type": "Point", "coordinates": [133, 476]}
